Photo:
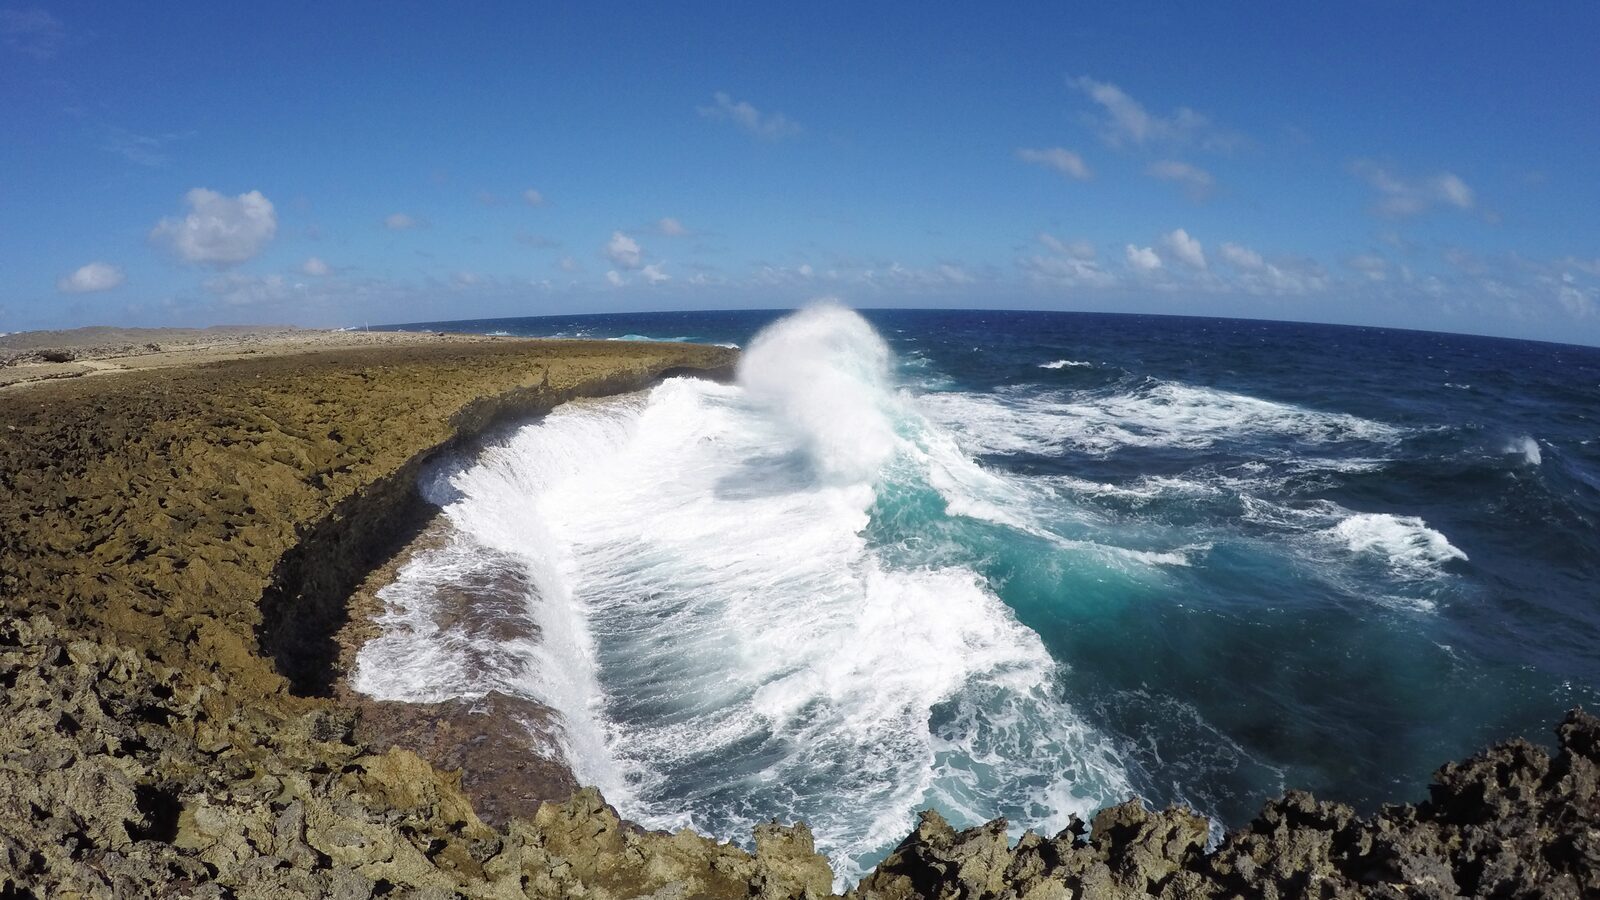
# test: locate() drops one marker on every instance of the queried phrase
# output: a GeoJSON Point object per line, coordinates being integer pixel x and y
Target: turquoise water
{"type": "Point", "coordinates": [1027, 564]}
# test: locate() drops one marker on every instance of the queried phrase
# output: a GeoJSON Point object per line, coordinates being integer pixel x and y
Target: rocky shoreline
{"type": "Point", "coordinates": [178, 547]}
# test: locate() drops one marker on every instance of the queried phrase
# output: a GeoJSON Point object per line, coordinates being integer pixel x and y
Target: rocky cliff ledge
{"type": "Point", "coordinates": [175, 547]}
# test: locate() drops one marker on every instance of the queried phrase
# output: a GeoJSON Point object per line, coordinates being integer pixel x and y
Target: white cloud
{"type": "Point", "coordinates": [624, 251]}
{"type": "Point", "coordinates": [671, 227]}
{"type": "Point", "coordinates": [1127, 122]}
{"type": "Point", "coordinates": [1073, 249]}
{"type": "Point", "coordinates": [1143, 259]}
{"type": "Point", "coordinates": [95, 276]}
{"type": "Point", "coordinates": [315, 267]}
{"type": "Point", "coordinates": [1186, 249]}
{"type": "Point", "coordinates": [1242, 257]}
{"type": "Point", "coordinates": [953, 274]}
{"type": "Point", "coordinates": [399, 222]}
{"type": "Point", "coordinates": [1577, 301]}
{"type": "Point", "coordinates": [1400, 197]}
{"type": "Point", "coordinates": [614, 279]}
{"type": "Point", "coordinates": [568, 264]}
{"type": "Point", "coordinates": [767, 126]}
{"type": "Point", "coordinates": [1197, 181]}
{"type": "Point", "coordinates": [1058, 158]}
{"type": "Point", "coordinates": [1257, 276]}
{"type": "Point", "coordinates": [219, 231]}
{"type": "Point", "coordinates": [653, 274]}
{"type": "Point", "coordinates": [532, 197]}
{"type": "Point", "coordinates": [32, 32]}
{"type": "Point", "coordinates": [1068, 264]}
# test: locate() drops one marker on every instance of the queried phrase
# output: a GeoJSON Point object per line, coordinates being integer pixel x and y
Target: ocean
{"type": "Point", "coordinates": [1024, 564]}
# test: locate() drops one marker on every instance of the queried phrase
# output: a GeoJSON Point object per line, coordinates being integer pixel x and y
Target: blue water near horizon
{"type": "Point", "coordinates": [1258, 555]}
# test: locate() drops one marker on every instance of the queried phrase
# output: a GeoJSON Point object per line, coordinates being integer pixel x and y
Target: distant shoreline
{"type": "Point", "coordinates": [37, 356]}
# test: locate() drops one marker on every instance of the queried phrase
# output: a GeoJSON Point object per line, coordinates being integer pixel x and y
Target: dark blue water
{"type": "Point", "coordinates": [1364, 552]}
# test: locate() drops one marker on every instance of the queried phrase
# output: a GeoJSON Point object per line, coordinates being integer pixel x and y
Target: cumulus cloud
{"type": "Point", "coordinates": [767, 126]}
{"type": "Point", "coordinates": [670, 227]}
{"type": "Point", "coordinates": [400, 221]}
{"type": "Point", "coordinates": [532, 197]}
{"type": "Point", "coordinates": [1195, 180]}
{"type": "Point", "coordinates": [624, 251]}
{"type": "Point", "coordinates": [614, 279]}
{"type": "Point", "coordinates": [1058, 158]}
{"type": "Point", "coordinates": [219, 231]}
{"type": "Point", "coordinates": [95, 276]}
{"type": "Point", "coordinates": [32, 32]}
{"type": "Point", "coordinates": [1126, 122]}
{"type": "Point", "coordinates": [1185, 249]}
{"type": "Point", "coordinates": [1400, 197]}
{"type": "Point", "coordinates": [653, 274]}
{"type": "Point", "coordinates": [1143, 259]}
{"type": "Point", "coordinates": [315, 267]}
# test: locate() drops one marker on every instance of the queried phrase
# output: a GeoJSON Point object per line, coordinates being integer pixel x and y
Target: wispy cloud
{"type": "Point", "coordinates": [141, 149]}
{"type": "Point", "coordinates": [1060, 159]}
{"type": "Point", "coordinates": [1197, 182]}
{"type": "Point", "coordinates": [532, 197]}
{"type": "Point", "coordinates": [767, 126]}
{"type": "Point", "coordinates": [536, 241]}
{"type": "Point", "coordinates": [1255, 275]}
{"type": "Point", "coordinates": [1066, 264]}
{"type": "Point", "coordinates": [670, 227]}
{"type": "Point", "coordinates": [32, 32]}
{"type": "Point", "coordinates": [315, 267]}
{"type": "Point", "coordinates": [1126, 122]}
{"type": "Point", "coordinates": [236, 289]}
{"type": "Point", "coordinates": [1400, 197]}
{"type": "Point", "coordinates": [399, 221]}
{"type": "Point", "coordinates": [1370, 266]}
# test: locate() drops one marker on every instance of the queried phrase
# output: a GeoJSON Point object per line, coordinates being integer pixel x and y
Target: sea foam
{"type": "Point", "coordinates": [724, 639]}
{"type": "Point", "coordinates": [1406, 543]}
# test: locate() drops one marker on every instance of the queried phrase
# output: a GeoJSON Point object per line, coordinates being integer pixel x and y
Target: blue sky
{"type": "Point", "coordinates": [1418, 165]}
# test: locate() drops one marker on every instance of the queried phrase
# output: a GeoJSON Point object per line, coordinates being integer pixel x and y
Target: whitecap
{"type": "Point", "coordinates": [1405, 543]}
{"type": "Point", "coordinates": [1158, 414]}
{"type": "Point", "coordinates": [1525, 446]}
